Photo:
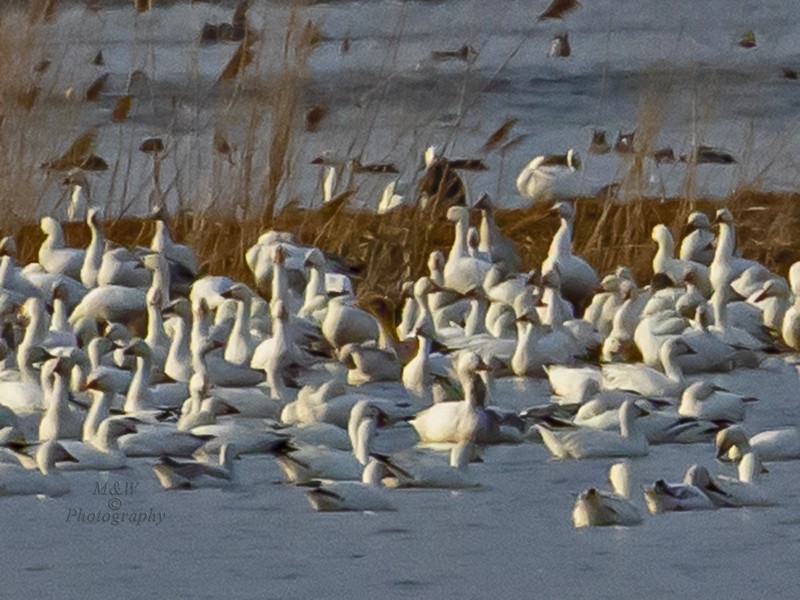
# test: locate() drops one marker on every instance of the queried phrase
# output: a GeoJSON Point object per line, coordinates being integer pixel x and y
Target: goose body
{"type": "Point", "coordinates": [173, 474]}
{"type": "Point", "coordinates": [594, 508]}
{"type": "Point", "coordinates": [590, 443]}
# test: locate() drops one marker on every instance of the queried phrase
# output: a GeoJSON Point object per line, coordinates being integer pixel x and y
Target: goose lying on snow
{"type": "Point", "coordinates": [430, 473]}
{"type": "Point", "coordinates": [591, 443]}
{"type": "Point", "coordinates": [666, 497]}
{"type": "Point", "coordinates": [18, 481]}
{"type": "Point", "coordinates": [339, 496]}
{"type": "Point", "coordinates": [173, 474]}
{"type": "Point", "coordinates": [597, 509]}
{"type": "Point", "coordinates": [705, 400]}
{"type": "Point", "coordinates": [777, 444]}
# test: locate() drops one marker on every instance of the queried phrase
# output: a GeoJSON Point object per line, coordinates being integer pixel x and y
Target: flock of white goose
{"type": "Point", "coordinates": [110, 353]}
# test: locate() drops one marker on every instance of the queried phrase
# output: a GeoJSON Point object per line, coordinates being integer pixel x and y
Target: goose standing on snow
{"type": "Point", "coordinates": [578, 279]}
{"type": "Point", "coordinates": [598, 509]}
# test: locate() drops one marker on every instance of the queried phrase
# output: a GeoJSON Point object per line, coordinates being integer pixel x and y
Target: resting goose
{"type": "Point", "coordinates": [416, 472]}
{"type": "Point", "coordinates": [706, 400]}
{"type": "Point", "coordinates": [551, 177]}
{"type": "Point", "coordinates": [744, 489]}
{"type": "Point", "coordinates": [776, 444]}
{"type": "Point", "coordinates": [190, 475]}
{"type": "Point", "coordinates": [348, 324]}
{"type": "Point", "coordinates": [665, 497]}
{"type": "Point", "coordinates": [301, 464]}
{"type": "Point", "coordinates": [454, 422]}
{"type": "Point", "coordinates": [340, 496]}
{"type": "Point", "coordinates": [101, 452]}
{"type": "Point", "coordinates": [591, 443]}
{"type": "Point", "coordinates": [601, 509]}
{"type": "Point", "coordinates": [645, 380]}
{"type": "Point", "coordinates": [18, 481]}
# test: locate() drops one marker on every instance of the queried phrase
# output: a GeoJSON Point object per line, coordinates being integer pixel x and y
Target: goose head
{"type": "Point", "coordinates": [733, 437]}
{"type": "Point", "coordinates": [484, 203]}
{"type": "Point", "coordinates": [564, 210]}
{"type": "Point", "coordinates": [723, 215]}
{"type": "Point", "coordinates": [314, 259]}
{"type": "Point", "coordinates": [661, 235]}
{"type": "Point", "coordinates": [279, 312]}
{"type": "Point", "coordinates": [50, 226]}
{"type": "Point", "coordinates": [458, 214]}
{"type": "Point", "coordinates": [698, 220]}
{"type": "Point", "coordinates": [138, 348]}
{"type": "Point", "coordinates": [8, 247]}
{"type": "Point", "coordinates": [436, 261]}
{"type": "Point", "coordinates": [238, 291]}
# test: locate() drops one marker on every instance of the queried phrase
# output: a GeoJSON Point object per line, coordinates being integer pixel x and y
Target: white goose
{"type": "Point", "coordinates": [601, 509]}
{"type": "Point", "coordinates": [54, 256]}
{"type": "Point", "coordinates": [101, 452]}
{"type": "Point", "coordinates": [492, 241]}
{"type": "Point", "coordinates": [706, 400]}
{"type": "Point", "coordinates": [776, 444]}
{"type": "Point", "coordinates": [665, 497]}
{"type": "Point", "coordinates": [578, 279]}
{"type": "Point", "coordinates": [340, 496]}
{"type": "Point", "coordinates": [424, 472]}
{"type": "Point", "coordinates": [59, 421]}
{"type": "Point", "coordinates": [591, 443]}
{"type": "Point", "coordinates": [645, 380]}
{"type": "Point", "coordinates": [462, 272]}
{"type": "Point", "coordinates": [744, 490]}
{"type": "Point", "coordinates": [665, 261]}
{"type": "Point", "coordinates": [94, 252]}
{"type": "Point", "coordinates": [348, 324]}
{"type": "Point", "coordinates": [301, 464]}
{"type": "Point", "coordinates": [241, 343]}
{"type": "Point", "coordinates": [698, 244]}
{"type": "Point", "coordinates": [455, 422]}
{"type": "Point", "coordinates": [18, 481]}
{"type": "Point", "coordinates": [190, 475]}
{"type": "Point", "coordinates": [548, 178]}
{"type": "Point", "coordinates": [111, 303]}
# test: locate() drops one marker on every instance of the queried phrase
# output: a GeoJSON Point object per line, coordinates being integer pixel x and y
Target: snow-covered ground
{"type": "Point", "coordinates": [511, 538]}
